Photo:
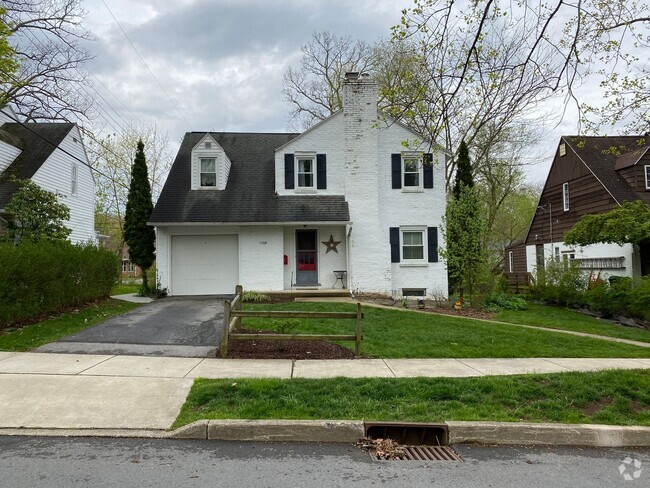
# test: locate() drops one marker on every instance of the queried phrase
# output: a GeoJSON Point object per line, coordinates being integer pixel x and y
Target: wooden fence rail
{"type": "Point", "coordinates": [233, 315]}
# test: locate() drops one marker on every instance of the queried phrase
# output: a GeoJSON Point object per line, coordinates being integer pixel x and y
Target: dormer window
{"type": "Point", "coordinates": [305, 171]}
{"type": "Point", "coordinates": [208, 172]}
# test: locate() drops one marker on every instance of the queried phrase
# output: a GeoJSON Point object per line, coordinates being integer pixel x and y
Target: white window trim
{"type": "Point", "coordinates": [647, 176]}
{"type": "Point", "coordinates": [305, 155]}
{"type": "Point", "coordinates": [413, 262]}
{"type": "Point", "coordinates": [565, 196]}
{"type": "Point", "coordinates": [74, 177]}
{"type": "Point", "coordinates": [510, 261]}
{"type": "Point", "coordinates": [201, 157]}
{"type": "Point", "coordinates": [420, 166]}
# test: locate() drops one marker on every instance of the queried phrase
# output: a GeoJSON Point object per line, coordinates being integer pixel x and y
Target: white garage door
{"type": "Point", "coordinates": [204, 265]}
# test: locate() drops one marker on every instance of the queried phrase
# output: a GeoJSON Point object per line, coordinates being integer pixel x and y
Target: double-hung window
{"type": "Point", "coordinates": [565, 196]}
{"type": "Point", "coordinates": [208, 172]}
{"type": "Point", "coordinates": [647, 177]}
{"type": "Point", "coordinates": [412, 171]}
{"type": "Point", "coordinates": [413, 246]}
{"type": "Point", "coordinates": [305, 171]}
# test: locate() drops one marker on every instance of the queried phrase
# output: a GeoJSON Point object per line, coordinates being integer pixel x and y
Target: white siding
{"type": "Point", "coordinates": [221, 160]}
{"type": "Point", "coordinates": [7, 155]}
{"type": "Point", "coordinates": [7, 115]}
{"type": "Point", "coordinates": [261, 257]}
{"type": "Point", "coordinates": [594, 251]}
{"type": "Point", "coordinates": [55, 175]}
{"type": "Point", "coordinates": [325, 138]}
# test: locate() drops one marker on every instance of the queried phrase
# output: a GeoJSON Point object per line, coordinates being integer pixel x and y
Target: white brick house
{"type": "Point", "coordinates": [53, 156]}
{"type": "Point", "coordinates": [358, 193]}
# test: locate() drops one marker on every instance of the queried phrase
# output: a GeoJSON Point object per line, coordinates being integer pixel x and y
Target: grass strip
{"type": "Point", "coordinates": [403, 334]}
{"type": "Point", "coordinates": [605, 397]}
{"type": "Point", "coordinates": [125, 288]}
{"type": "Point", "coordinates": [563, 318]}
{"type": "Point", "coordinates": [34, 335]}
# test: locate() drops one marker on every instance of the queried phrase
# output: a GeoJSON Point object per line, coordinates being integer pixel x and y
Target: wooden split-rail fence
{"type": "Point", "coordinates": [233, 315]}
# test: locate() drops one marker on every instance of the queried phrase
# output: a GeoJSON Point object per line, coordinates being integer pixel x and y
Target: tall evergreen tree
{"type": "Point", "coordinates": [137, 234]}
{"type": "Point", "coordinates": [463, 170]}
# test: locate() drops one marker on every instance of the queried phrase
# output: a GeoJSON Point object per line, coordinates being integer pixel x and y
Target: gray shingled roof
{"type": "Point", "coordinates": [250, 193]}
{"type": "Point", "coordinates": [600, 155]}
{"type": "Point", "coordinates": [38, 141]}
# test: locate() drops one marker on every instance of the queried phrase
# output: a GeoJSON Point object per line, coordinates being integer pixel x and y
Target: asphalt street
{"type": "Point", "coordinates": [77, 462]}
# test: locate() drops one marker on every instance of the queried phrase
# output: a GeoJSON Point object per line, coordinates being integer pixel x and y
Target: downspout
{"type": "Point", "coordinates": [348, 229]}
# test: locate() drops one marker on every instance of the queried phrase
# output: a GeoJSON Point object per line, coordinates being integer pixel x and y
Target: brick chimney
{"type": "Point", "coordinates": [369, 243]}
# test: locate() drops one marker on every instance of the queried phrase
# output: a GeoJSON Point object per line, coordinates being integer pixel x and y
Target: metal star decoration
{"type": "Point", "coordinates": [331, 245]}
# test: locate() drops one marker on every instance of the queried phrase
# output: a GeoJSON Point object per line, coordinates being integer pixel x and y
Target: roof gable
{"type": "Point", "coordinates": [600, 154]}
{"type": "Point", "coordinates": [39, 140]}
{"type": "Point", "coordinates": [250, 193]}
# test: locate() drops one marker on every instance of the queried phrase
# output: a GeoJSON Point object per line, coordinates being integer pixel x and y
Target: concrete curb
{"type": "Point", "coordinates": [273, 430]}
{"type": "Point", "coordinates": [529, 434]}
{"type": "Point", "coordinates": [349, 431]}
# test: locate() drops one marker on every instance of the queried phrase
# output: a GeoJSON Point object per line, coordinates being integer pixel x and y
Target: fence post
{"type": "Point", "coordinates": [239, 291]}
{"type": "Point", "coordinates": [223, 348]}
{"type": "Point", "coordinates": [357, 342]}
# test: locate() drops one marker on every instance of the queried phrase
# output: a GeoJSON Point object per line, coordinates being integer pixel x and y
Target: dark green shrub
{"type": "Point", "coordinates": [609, 298]}
{"type": "Point", "coordinates": [48, 276]}
{"type": "Point", "coordinates": [639, 300]}
{"type": "Point", "coordinates": [503, 301]}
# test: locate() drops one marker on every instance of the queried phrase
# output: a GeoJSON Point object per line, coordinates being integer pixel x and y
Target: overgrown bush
{"type": "Point", "coordinates": [503, 301]}
{"type": "Point", "coordinates": [255, 297]}
{"type": "Point", "coordinates": [611, 298]}
{"type": "Point", "coordinates": [623, 296]}
{"type": "Point", "coordinates": [561, 283]}
{"type": "Point", "coordinates": [47, 277]}
{"type": "Point", "coordinates": [639, 302]}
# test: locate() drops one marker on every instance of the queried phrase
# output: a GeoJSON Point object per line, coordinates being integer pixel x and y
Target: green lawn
{"type": "Point", "coordinates": [563, 318]}
{"type": "Point", "coordinates": [403, 334]}
{"type": "Point", "coordinates": [606, 397]}
{"type": "Point", "coordinates": [35, 335]}
{"type": "Point", "coordinates": [125, 288]}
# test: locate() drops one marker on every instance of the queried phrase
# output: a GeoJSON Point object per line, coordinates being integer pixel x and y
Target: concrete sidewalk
{"type": "Point", "coordinates": [82, 391]}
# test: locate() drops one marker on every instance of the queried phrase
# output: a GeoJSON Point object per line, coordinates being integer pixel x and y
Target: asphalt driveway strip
{"type": "Point", "coordinates": [174, 326]}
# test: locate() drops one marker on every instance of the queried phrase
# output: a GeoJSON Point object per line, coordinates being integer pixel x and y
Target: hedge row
{"type": "Point", "coordinates": [47, 277]}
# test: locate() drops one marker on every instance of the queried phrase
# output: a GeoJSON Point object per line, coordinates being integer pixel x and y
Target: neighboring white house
{"type": "Point", "coordinates": [53, 156]}
{"type": "Point", "coordinates": [357, 197]}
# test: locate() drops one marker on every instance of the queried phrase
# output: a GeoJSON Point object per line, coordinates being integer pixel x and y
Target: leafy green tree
{"type": "Point", "coordinates": [463, 229]}
{"type": "Point", "coordinates": [628, 223]}
{"type": "Point", "coordinates": [464, 176]}
{"type": "Point", "coordinates": [35, 214]}
{"type": "Point", "coordinates": [139, 236]}
{"type": "Point", "coordinates": [8, 63]}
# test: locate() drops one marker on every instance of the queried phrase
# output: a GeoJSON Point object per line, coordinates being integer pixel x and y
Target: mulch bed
{"type": "Point", "coordinates": [261, 349]}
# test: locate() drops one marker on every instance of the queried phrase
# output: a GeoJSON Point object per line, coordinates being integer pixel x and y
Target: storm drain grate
{"type": "Point", "coordinates": [422, 453]}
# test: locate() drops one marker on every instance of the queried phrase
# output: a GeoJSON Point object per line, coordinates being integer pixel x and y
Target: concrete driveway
{"type": "Point", "coordinates": [181, 327]}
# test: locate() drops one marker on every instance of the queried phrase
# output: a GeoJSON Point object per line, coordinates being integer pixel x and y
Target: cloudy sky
{"type": "Point", "coordinates": [221, 61]}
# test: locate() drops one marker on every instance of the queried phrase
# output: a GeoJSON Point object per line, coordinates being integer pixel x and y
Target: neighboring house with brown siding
{"type": "Point", "coordinates": [589, 175]}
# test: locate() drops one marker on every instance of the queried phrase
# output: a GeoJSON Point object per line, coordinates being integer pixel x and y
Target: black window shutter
{"type": "Point", "coordinates": [432, 239]}
{"type": "Point", "coordinates": [288, 172]}
{"type": "Point", "coordinates": [394, 244]}
{"type": "Point", "coordinates": [396, 160]}
{"type": "Point", "coordinates": [321, 171]}
{"type": "Point", "coordinates": [427, 161]}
